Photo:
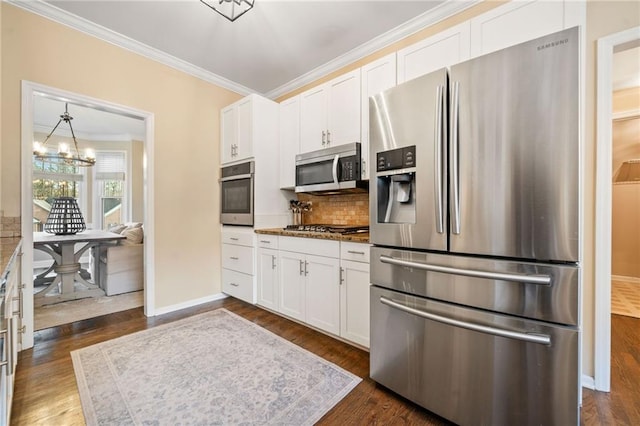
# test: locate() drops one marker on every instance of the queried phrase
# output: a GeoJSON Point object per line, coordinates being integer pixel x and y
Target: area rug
{"type": "Point", "coordinates": [212, 368]}
{"type": "Point", "coordinates": [625, 298]}
{"type": "Point", "coordinates": [76, 310]}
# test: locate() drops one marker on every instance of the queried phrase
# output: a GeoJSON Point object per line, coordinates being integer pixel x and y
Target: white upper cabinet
{"type": "Point", "coordinates": [289, 141]}
{"type": "Point", "coordinates": [520, 21]}
{"type": "Point", "coordinates": [377, 76]}
{"type": "Point", "coordinates": [330, 113]}
{"type": "Point", "coordinates": [241, 122]}
{"type": "Point", "coordinates": [441, 50]}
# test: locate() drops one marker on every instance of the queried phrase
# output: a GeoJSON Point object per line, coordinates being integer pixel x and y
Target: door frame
{"type": "Point", "coordinates": [29, 90]}
{"type": "Point", "coordinates": [604, 154]}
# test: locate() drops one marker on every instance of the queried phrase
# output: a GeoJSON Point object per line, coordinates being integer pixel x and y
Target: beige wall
{"type": "Point", "coordinates": [186, 157]}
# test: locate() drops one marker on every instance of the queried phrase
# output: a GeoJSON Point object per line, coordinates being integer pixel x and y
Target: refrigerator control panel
{"type": "Point", "coordinates": [401, 158]}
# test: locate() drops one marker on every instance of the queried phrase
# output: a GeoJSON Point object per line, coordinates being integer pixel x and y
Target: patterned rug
{"type": "Point", "coordinates": [625, 298]}
{"type": "Point", "coordinates": [212, 368]}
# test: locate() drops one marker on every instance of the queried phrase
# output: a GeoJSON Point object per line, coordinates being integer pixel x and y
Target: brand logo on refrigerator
{"type": "Point", "coordinates": [553, 44]}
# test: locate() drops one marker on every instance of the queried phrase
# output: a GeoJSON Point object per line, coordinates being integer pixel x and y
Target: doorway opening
{"type": "Point", "coordinates": [607, 47]}
{"type": "Point", "coordinates": [117, 189]}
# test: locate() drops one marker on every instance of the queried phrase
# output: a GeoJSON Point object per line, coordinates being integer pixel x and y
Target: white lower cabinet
{"type": "Point", "coordinates": [322, 283]}
{"type": "Point", "coordinates": [354, 297]}
{"type": "Point", "coordinates": [268, 279]}
{"type": "Point", "coordinates": [238, 263]}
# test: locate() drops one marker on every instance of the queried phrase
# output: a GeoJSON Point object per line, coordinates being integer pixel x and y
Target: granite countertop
{"type": "Point", "coordinates": [356, 238]}
{"type": "Point", "coordinates": [8, 246]}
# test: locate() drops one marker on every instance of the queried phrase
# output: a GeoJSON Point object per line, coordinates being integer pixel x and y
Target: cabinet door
{"type": "Point", "coordinates": [514, 23]}
{"type": "Point", "coordinates": [376, 76]}
{"type": "Point", "coordinates": [313, 119]}
{"type": "Point", "coordinates": [323, 293]}
{"type": "Point", "coordinates": [289, 141]}
{"type": "Point", "coordinates": [343, 109]}
{"type": "Point", "coordinates": [244, 129]}
{"type": "Point", "coordinates": [292, 288]}
{"type": "Point", "coordinates": [441, 50]}
{"type": "Point", "coordinates": [227, 133]}
{"type": "Point", "coordinates": [268, 278]}
{"type": "Point", "coordinates": [354, 302]}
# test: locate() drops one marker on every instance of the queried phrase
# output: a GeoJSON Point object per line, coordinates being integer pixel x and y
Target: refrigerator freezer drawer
{"type": "Point", "coordinates": [545, 292]}
{"type": "Point", "coordinates": [474, 367]}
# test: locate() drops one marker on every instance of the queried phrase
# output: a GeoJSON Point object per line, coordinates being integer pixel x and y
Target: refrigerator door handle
{"type": "Point", "coordinates": [453, 162]}
{"type": "Point", "coordinates": [521, 278]}
{"type": "Point", "coordinates": [542, 339]}
{"type": "Point", "coordinates": [438, 161]}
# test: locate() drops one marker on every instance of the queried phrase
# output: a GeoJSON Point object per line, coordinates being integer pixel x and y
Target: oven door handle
{"type": "Point", "coordinates": [336, 159]}
{"type": "Point", "coordinates": [541, 339]}
{"type": "Point", "coordinates": [236, 177]}
{"type": "Point", "coordinates": [522, 278]}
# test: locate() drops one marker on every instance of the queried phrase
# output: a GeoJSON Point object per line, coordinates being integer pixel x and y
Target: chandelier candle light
{"type": "Point", "coordinates": [64, 155]}
{"type": "Point", "coordinates": [230, 9]}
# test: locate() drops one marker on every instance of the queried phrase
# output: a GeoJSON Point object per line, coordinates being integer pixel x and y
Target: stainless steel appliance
{"type": "Point", "coordinates": [330, 170]}
{"type": "Point", "coordinates": [335, 229]}
{"type": "Point", "coordinates": [475, 303]}
{"type": "Point", "coordinates": [236, 194]}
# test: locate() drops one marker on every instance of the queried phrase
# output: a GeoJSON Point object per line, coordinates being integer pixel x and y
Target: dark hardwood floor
{"type": "Point", "coordinates": [46, 392]}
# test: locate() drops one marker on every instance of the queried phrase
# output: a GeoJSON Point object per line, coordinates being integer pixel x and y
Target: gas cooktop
{"type": "Point", "coordinates": [337, 229]}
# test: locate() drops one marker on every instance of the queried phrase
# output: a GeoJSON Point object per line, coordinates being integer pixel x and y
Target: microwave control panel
{"type": "Point", "coordinates": [401, 158]}
{"type": "Point", "coordinates": [349, 168]}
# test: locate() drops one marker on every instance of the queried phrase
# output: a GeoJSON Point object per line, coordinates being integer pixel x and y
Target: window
{"type": "Point", "coordinates": [110, 188]}
{"type": "Point", "coordinates": [52, 181]}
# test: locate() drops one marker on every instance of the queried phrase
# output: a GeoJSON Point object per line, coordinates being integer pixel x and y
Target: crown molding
{"type": "Point", "coordinates": [444, 10]}
{"type": "Point", "coordinates": [63, 17]}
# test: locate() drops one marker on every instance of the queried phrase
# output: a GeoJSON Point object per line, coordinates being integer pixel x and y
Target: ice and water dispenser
{"type": "Point", "coordinates": [396, 185]}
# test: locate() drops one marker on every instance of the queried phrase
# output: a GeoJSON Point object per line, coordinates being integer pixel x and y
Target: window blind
{"type": "Point", "coordinates": [110, 165]}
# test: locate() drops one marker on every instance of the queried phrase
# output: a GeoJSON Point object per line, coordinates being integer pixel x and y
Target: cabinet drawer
{"type": "Point", "coordinates": [267, 241]}
{"type": "Point", "coordinates": [239, 285]}
{"type": "Point", "coordinates": [238, 258]}
{"type": "Point", "coordinates": [358, 252]}
{"type": "Point", "coordinates": [238, 237]}
{"type": "Point", "coordinates": [313, 246]}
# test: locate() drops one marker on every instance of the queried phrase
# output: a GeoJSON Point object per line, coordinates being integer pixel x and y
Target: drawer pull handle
{"type": "Point", "coordinates": [355, 252]}
{"type": "Point", "coordinates": [265, 242]}
{"type": "Point", "coordinates": [234, 284]}
{"type": "Point", "coordinates": [234, 239]}
{"type": "Point", "coordinates": [233, 258]}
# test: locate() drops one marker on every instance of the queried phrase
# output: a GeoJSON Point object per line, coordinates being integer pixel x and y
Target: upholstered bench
{"type": "Point", "coordinates": [121, 266]}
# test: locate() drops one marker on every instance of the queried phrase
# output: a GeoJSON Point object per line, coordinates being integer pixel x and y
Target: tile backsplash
{"type": "Point", "coordinates": [9, 226]}
{"type": "Point", "coordinates": [344, 209]}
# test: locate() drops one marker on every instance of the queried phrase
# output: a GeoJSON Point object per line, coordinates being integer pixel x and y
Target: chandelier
{"type": "Point", "coordinates": [64, 154]}
{"type": "Point", "coordinates": [230, 9]}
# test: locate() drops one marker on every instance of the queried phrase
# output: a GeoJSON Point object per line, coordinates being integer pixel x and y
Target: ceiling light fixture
{"type": "Point", "coordinates": [230, 9]}
{"type": "Point", "coordinates": [64, 155]}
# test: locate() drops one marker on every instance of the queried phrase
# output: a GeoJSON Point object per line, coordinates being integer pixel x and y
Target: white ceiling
{"type": "Point", "coordinates": [275, 47]}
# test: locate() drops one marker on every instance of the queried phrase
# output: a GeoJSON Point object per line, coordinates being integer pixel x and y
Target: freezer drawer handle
{"type": "Point", "coordinates": [542, 339]}
{"type": "Point", "coordinates": [527, 279]}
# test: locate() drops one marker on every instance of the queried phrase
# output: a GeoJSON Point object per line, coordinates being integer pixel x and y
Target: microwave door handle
{"type": "Point", "coordinates": [336, 160]}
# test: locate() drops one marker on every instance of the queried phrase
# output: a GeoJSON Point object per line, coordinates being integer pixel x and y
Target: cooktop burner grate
{"type": "Point", "coordinates": [337, 229]}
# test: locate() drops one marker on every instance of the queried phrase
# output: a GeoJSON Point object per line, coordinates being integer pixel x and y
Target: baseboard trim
{"type": "Point", "coordinates": [588, 382]}
{"type": "Point", "coordinates": [189, 304]}
{"type": "Point", "coordinates": [634, 280]}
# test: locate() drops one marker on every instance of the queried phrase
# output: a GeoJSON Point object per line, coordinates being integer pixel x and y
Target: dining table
{"type": "Point", "coordinates": [70, 280]}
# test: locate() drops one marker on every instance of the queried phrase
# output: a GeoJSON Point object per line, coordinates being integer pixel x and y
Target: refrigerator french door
{"type": "Point", "coordinates": [474, 219]}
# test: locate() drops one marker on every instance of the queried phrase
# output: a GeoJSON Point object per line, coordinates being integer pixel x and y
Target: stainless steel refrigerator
{"type": "Point", "coordinates": [475, 297]}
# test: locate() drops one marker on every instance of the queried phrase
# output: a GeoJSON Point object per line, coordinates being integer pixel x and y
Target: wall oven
{"type": "Point", "coordinates": [330, 170]}
{"type": "Point", "coordinates": [236, 194]}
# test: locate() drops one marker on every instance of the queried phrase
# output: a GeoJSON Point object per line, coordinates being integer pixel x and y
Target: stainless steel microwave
{"type": "Point", "coordinates": [236, 194]}
{"type": "Point", "coordinates": [330, 170]}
